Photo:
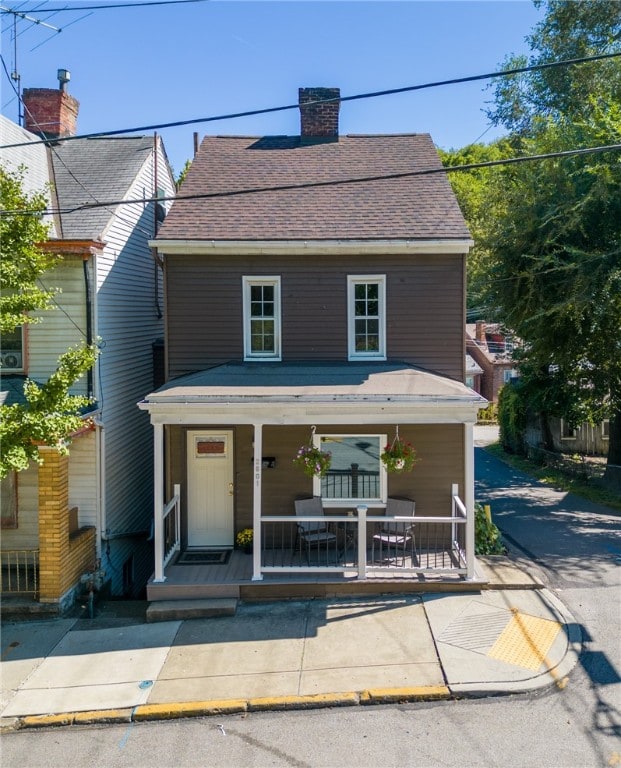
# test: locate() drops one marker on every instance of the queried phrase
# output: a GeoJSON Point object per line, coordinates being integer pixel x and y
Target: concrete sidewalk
{"type": "Point", "coordinates": [303, 653]}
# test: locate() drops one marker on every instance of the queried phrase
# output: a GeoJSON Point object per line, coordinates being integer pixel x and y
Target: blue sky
{"type": "Point", "coordinates": [147, 65]}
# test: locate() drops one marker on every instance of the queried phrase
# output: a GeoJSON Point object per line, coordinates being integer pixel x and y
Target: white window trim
{"type": "Point", "coordinates": [352, 281]}
{"type": "Point", "coordinates": [247, 283]}
{"type": "Point", "coordinates": [568, 437]}
{"type": "Point", "coordinates": [383, 474]}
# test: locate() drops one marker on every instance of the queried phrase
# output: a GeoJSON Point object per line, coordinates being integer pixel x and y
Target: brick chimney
{"type": "Point", "coordinates": [480, 336]}
{"type": "Point", "coordinates": [319, 121]}
{"type": "Point", "coordinates": [51, 113]}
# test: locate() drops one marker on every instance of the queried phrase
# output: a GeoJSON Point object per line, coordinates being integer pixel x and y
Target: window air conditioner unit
{"type": "Point", "coordinates": [11, 359]}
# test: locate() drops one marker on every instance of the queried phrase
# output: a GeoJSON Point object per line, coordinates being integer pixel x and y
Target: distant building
{"type": "Point", "coordinates": [492, 351]}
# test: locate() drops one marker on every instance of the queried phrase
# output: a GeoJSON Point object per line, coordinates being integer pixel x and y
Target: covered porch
{"type": "Point", "coordinates": [271, 409]}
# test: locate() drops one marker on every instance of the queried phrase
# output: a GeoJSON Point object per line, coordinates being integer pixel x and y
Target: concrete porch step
{"type": "Point", "coordinates": [206, 608]}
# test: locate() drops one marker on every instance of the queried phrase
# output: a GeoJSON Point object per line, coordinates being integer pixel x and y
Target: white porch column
{"type": "Point", "coordinates": [469, 497]}
{"type": "Point", "coordinates": [158, 502]}
{"type": "Point", "coordinates": [256, 503]}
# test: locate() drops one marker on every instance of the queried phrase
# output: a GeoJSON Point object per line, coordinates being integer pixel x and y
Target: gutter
{"type": "Point", "coordinates": [337, 247]}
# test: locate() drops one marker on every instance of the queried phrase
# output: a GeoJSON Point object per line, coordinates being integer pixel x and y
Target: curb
{"type": "Point", "coordinates": [146, 712]}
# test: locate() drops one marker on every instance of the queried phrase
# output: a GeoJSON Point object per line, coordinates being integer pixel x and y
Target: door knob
{"type": "Point", "coordinates": [230, 489]}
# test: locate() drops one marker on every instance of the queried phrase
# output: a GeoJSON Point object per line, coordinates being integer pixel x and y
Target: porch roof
{"type": "Point", "coordinates": [314, 382]}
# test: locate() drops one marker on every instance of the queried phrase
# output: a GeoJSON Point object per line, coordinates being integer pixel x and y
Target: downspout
{"type": "Point", "coordinates": [156, 263]}
{"type": "Point", "coordinates": [89, 321]}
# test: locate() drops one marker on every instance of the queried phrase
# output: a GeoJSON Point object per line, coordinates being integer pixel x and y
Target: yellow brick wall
{"type": "Point", "coordinates": [63, 558]}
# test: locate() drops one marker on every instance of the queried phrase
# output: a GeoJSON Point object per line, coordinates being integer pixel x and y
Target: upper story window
{"type": "Point", "coordinates": [12, 354]}
{"type": "Point", "coordinates": [261, 318]}
{"type": "Point", "coordinates": [366, 308]}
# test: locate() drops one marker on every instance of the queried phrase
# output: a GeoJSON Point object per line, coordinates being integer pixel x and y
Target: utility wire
{"type": "Point", "coordinates": [368, 95]}
{"type": "Point", "coordinates": [330, 183]}
{"type": "Point", "coordinates": [91, 194]}
{"type": "Point", "coordinates": [43, 9]}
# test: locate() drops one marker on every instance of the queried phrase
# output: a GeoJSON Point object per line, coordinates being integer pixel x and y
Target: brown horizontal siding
{"type": "Point", "coordinates": [440, 448]}
{"type": "Point", "coordinates": [424, 298]}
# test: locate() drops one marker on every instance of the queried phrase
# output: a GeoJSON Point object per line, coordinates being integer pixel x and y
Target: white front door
{"type": "Point", "coordinates": [210, 488]}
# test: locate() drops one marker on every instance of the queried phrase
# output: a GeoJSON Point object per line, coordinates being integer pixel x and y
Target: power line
{"type": "Point", "coordinates": [330, 183]}
{"type": "Point", "coordinates": [359, 96]}
{"type": "Point", "coordinates": [104, 7]}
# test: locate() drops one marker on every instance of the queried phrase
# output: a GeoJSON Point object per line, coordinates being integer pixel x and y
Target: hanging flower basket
{"type": "Point", "coordinates": [313, 461]}
{"type": "Point", "coordinates": [399, 456]}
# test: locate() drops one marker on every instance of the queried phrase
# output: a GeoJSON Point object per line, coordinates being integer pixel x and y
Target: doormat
{"type": "Point", "coordinates": [207, 557]}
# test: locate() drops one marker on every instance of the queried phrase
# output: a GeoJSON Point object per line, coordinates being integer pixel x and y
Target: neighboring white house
{"type": "Point", "coordinates": [111, 291]}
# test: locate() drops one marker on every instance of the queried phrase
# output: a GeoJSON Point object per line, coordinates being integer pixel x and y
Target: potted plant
{"type": "Point", "coordinates": [399, 456]}
{"type": "Point", "coordinates": [244, 540]}
{"type": "Point", "coordinates": [313, 461]}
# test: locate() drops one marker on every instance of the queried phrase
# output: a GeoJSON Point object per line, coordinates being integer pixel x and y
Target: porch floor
{"type": "Point", "coordinates": [234, 579]}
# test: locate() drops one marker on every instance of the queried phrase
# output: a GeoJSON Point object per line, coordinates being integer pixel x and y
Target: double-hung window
{"type": "Point", "coordinates": [261, 318]}
{"type": "Point", "coordinates": [366, 310]}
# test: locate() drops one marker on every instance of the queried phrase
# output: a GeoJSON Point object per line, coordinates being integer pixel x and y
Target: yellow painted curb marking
{"type": "Point", "coordinates": [188, 709]}
{"type": "Point", "coordinates": [525, 641]}
{"type": "Point", "coordinates": [374, 695]}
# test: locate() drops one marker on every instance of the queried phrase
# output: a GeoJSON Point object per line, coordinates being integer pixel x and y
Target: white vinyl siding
{"type": "Point", "coordinates": [366, 313]}
{"type": "Point", "coordinates": [262, 331]}
{"type": "Point", "coordinates": [61, 327]}
{"type": "Point", "coordinates": [127, 323]}
{"type": "Point", "coordinates": [83, 478]}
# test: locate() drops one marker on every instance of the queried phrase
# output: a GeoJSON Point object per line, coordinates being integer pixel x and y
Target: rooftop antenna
{"type": "Point", "coordinates": [15, 76]}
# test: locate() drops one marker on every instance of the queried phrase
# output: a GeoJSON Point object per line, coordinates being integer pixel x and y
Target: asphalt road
{"type": "Point", "coordinates": [575, 548]}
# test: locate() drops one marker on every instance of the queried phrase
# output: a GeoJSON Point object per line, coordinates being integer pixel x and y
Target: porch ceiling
{"type": "Point", "coordinates": [331, 390]}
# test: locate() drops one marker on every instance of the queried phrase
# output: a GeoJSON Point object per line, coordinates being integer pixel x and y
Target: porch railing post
{"type": "Point", "coordinates": [158, 503]}
{"type": "Point", "coordinates": [362, 541]}
{"type": "Point", "coordinates": [469, 498]}
{"type": "Point", "coordinates": [177, 492]}
{"type": "Point", "coordinates": [256, 503]}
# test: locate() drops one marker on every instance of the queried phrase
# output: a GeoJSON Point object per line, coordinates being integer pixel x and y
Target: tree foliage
{"type": "Point", "coordinates": [555, 245]}
{"type": "Point", "coordinates": [569, 30]}
{"type": "Point", "coordinates": [49, 415]}
{"type": "Point", "coordinates": [23, 262]}
{"type": "Point", "coordinates": [471, 189]}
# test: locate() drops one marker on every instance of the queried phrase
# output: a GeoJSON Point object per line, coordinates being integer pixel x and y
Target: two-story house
{"type": "Point", "coordinates": [92, 510]}
{"type": "Point", "coordinates": [314, 289]}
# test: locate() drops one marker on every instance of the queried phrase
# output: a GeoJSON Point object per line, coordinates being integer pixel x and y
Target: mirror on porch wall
{"type": "Point", "coordinates": [356, 471]}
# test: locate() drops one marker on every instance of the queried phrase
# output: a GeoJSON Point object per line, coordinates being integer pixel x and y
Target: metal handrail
{"type": "Point", "coordinates": [19, 573]}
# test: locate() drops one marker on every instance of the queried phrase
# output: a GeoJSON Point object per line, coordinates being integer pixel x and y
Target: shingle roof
{"type": "Point", "coordinates": [244, 179]}
{"type": "Point", "coordinates": [89, 170]}
{"type": "Point", "coordinates": [315, 381]}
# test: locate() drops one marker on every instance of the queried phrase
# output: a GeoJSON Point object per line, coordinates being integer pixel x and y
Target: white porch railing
{"type": "Point", "coordinates": [167, 533]}
{"type": "Point", "coordinates": [438, 545]}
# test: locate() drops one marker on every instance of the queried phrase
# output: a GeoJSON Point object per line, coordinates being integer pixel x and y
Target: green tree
{"type": "Point", "coordinates": [555, 244]}
{"type": "Point", "coordinates": [23, 262]}
{"type": "Point", "coordinates": [50, 414]}
{"type": "Point", "coordinates": [556, 266]}
{"type": "Point", "coordinates": [471, 189]}
{"type": "Point", "coordinates": [569, 30]}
